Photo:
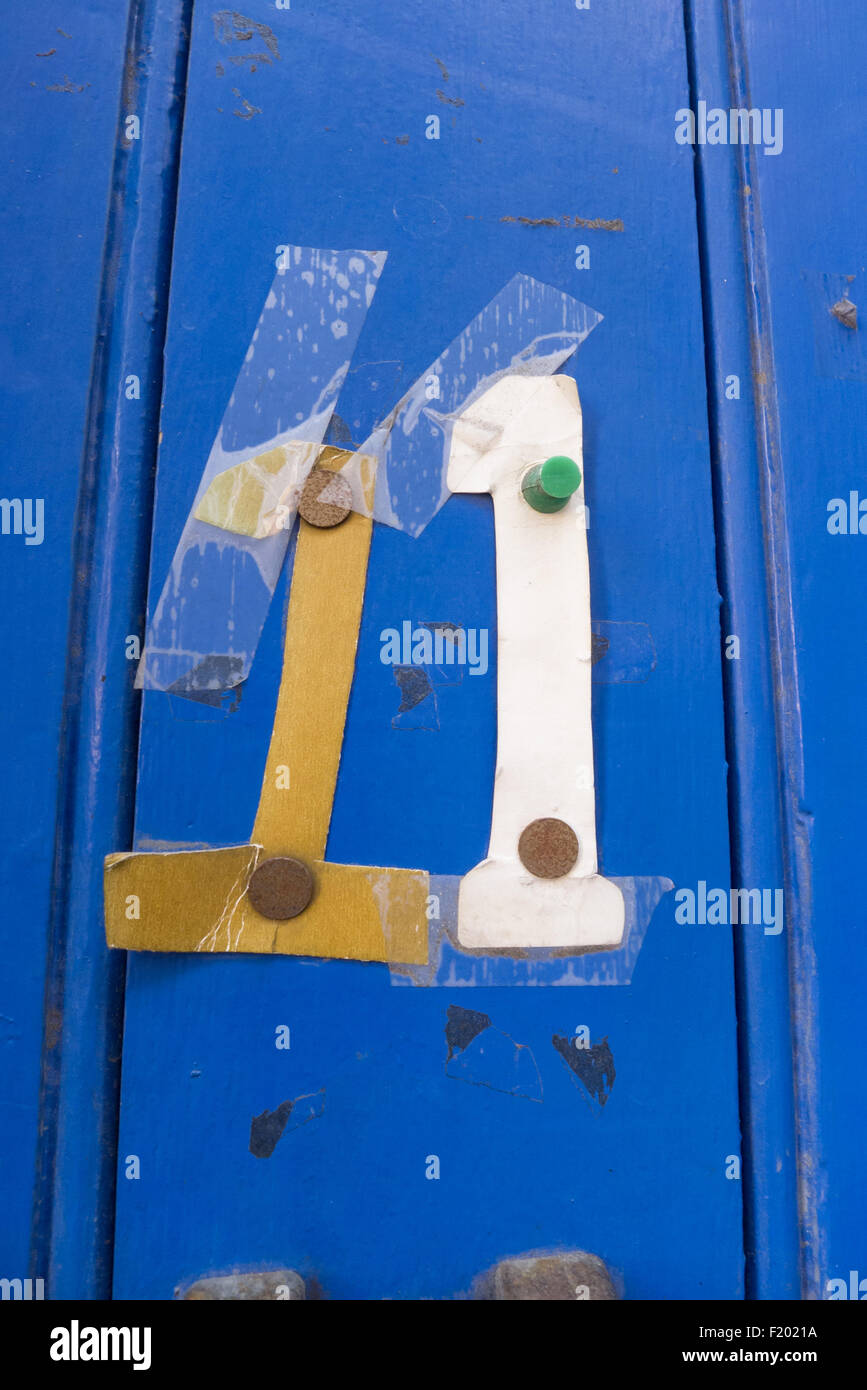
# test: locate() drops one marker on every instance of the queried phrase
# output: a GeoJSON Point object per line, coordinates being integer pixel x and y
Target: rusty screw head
{"type": "Point", "coordinates": [326, 499]}
{"type": "Point", "coordinates": [281, 888]}
{"type": "Point", "coordinates": [548, 848]}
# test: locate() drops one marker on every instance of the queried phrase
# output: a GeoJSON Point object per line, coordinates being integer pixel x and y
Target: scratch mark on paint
{"type": "Point", "coordinates": [485, 1056]}
{"type": "Point", "coordinates": [9, 1032]}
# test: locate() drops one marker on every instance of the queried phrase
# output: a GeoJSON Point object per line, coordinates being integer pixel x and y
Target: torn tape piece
{"type": "Point", "coordinates": [205, 628]}
{"type": "Point", "coordinates": [451, 965]}
{"type": "Point", "coordinates": [197, 901]}
{"type": "Point", "coordinates": [530, 329]}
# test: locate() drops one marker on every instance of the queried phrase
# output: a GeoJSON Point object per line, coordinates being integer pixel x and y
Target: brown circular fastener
{"type": "Point", "coordinates": [281, 888]}
{"type": "Point", "coordinates": [326, 498]}
{"type": "Point", "coordinates": [548, 848]}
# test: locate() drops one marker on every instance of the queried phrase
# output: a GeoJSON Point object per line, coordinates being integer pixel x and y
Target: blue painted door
{"type": "Point", "coordinates": [315, 131]}
{"type": "Point", "coordinates": [709, 1144]}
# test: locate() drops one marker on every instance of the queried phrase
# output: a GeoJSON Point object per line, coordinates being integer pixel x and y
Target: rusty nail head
{"type": "Point", "coordinates": [281, 888]}
{"type": "Point", "coordinates": [326, 498]}
{"type": "Point", "coordinates": [548, 848]}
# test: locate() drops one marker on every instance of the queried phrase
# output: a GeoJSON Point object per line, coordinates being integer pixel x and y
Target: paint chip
{"type": "Point", "coordinates": [267, 1129]}
{"type": "Point", "coordinates": [592, 1066]}
{"type": "Point", "coordinates": [846, 312]}
{"type": "Point", "coordinates": [462, 1026]}
{"type": "Point", "coordinates": [232, 27]}
{"type": "Point", "coordinates": [592, 224]}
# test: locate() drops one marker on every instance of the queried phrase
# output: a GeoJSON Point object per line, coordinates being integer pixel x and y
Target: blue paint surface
{"type": "Point", "coordinates": [708, 517]}
{"type": "Point", "coordinates": [815, 401]}
{"type": "Point", "coordinates": [59, 146]}
{"type": "Point", "coordinates": [344, 1197]}
{"type": "Point", "coordinates": [768, 1117]}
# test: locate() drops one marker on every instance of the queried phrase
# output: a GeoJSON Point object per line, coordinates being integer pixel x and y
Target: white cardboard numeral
{"type": "Point", "coordinates": [544, 735]}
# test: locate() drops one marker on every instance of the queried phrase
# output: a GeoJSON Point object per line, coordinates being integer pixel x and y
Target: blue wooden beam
{"type": "Point", "coordinates": [74, 1198]}
{"type": "Point", "coordinates": [768, 833]}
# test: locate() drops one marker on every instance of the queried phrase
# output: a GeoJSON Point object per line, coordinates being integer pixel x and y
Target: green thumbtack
{"type": "Point", "coordinates": [549, 485]}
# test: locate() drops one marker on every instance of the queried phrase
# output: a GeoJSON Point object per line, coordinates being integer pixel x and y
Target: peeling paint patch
{"type": "Point", "coordinates": [418, 683]}
{"type": "Point", "coordinates": [338, 433]}
{"type": "Point", "coordinates": [267, 1129]}
{"type": "Point", "coordinates": [593, 1066]}
{"type": "Point", "coordinates": [846, 312]}
{"type": "Point", "coordinates": [596, 224]}
{"type": "Point", "coordinates": [418, 703]}
{"type": "Point", "coordinates": [67, 85]}
{"type": "Point", "coordinates": [534, 221]}
{"type": "Point", "coordinates": [482, 1055]}
{"type": "Point", "coordinates": [53, 1028]}
{"type": "Point", "coordinates": [232, 27]}
{"type": "Point", "coordinates": [553, 1276]}
{"type": "Point", "coordinates": [462, 1026]}
{"type": "Point", "coordinates": [249, 110]}
{"type": "Point", "coordinates": [592, 224]}
{"type": "Point", "coordinates": [280, 1284]}
{"type": "Point", "coordinates": [414, 686]}
{"type": "Point", "coordinates": [839, 354]}
{"type": "Point", "coordinates": [253, 59]}
{"type": "Point", "coordinates": [450, 101]}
